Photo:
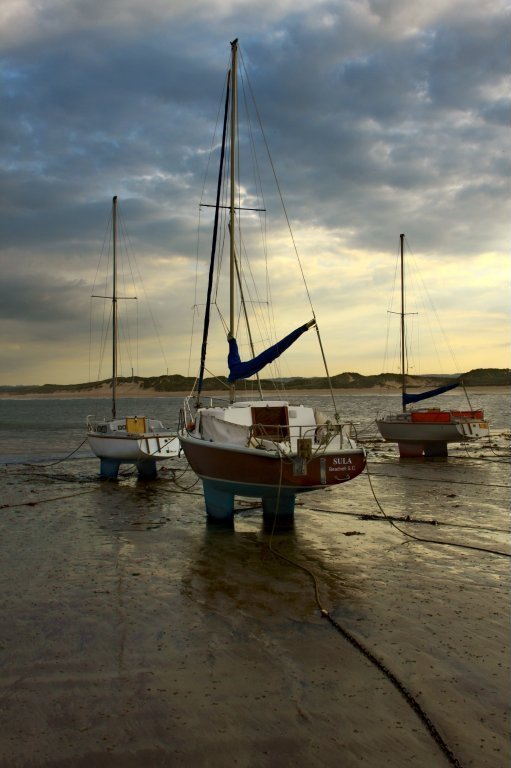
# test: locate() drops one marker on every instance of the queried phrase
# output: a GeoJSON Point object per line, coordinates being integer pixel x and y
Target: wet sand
{"type": "Point", "coordinates": [135, 635]}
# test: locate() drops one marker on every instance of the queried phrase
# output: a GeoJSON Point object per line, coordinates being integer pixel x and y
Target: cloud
{"type": "Point", "coordinates": [382, 117]}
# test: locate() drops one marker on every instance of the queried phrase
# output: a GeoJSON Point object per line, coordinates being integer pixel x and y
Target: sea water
{"type": "Point", "coordinates": [33, 429]}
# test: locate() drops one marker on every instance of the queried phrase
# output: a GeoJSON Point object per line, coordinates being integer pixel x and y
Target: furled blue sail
{"type": "Point", "coordinates": [407, 399]}
{"type": "Point", "coordinates": [240, 370]}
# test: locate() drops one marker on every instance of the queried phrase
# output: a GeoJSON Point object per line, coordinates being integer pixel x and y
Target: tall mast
{"type": "Point", "coordinates": [234, 95]}
{"type": "Point", "coordinates": [213, 244]}
{"type": "Point", "coordinates": [403, 370]}
{"type": "Point", "coordinates": [114, 303]}
{"type": "Point", "coordinates": [234, 109]}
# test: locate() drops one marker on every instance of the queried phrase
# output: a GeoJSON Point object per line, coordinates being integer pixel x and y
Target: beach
{"type": "Point", "coordinates": [134, 390]}
{"type": "Point", "coordinates": [135, 634]}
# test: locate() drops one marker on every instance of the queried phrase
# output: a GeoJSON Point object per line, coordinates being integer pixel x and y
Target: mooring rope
{"type": "Point", "coordinates": [370, 656]}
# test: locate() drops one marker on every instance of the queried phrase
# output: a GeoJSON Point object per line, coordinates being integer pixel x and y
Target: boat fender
{"type": "Point", "coordinates": [190, 426]}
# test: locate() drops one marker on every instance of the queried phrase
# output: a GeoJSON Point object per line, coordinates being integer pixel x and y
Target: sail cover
{"type": "Point", "coordinates": [407, 399]}
{"type": "Point", "coordinates": [239, 370]}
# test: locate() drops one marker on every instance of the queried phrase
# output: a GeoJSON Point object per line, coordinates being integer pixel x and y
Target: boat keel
{"type": "Point", "coordinates": [109, 469]}
{"type": "Point", "coordinates": [220, 504]}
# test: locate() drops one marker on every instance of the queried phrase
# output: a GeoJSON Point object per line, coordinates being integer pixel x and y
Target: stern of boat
{"type": "Point", "coordinates": [268, 451]}
{"type": "Point", "coordinates": [135, 440]}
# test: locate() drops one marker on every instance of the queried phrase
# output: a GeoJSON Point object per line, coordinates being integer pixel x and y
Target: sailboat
{"type": "Point", "coordinates": [137, 439]}
{"type": "Point", "coordinates": [262, 448]}
{"type": "Point", "coordinates": [427, 431]}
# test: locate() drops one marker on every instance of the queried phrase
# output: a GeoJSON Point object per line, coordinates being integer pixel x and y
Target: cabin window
{"type": "Point", "coordinates": [270, 421]}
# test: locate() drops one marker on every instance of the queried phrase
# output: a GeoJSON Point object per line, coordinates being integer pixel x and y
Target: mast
{"type": "Point", "coordinates": [114, 303]}
{"type": "Point", "coordinates": [403, 370]}
{"type": "Point", "coordinates": [234, 95]}
{"type": "Point", "coordinates": [232, 276]}
{"type": "Point", "coordinates": [213, 245]}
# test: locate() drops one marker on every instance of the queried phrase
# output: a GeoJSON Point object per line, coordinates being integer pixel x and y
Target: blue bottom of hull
{"type": "Point", "coordinates": [219, 499]}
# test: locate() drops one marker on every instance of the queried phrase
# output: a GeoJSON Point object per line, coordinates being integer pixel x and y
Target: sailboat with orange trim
{"type": "Point", "coordinates": [427, 431]}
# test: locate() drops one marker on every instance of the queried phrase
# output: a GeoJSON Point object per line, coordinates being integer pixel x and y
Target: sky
{"type": "Point", "coordinates": [382, 117]}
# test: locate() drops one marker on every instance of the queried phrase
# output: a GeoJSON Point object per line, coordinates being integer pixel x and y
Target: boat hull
{"type": "Point", "coordinates": [423, 433]}
{"type": "Point", "coordinates": [127, 449]}
{"type": "Point", "coordinates": [276, 478]}
{"type": "Point", "coordinates": [114, 446]}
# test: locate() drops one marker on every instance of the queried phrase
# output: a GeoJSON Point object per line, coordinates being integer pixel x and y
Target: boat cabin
{"type": "Point", "coordinates": [264, 424]}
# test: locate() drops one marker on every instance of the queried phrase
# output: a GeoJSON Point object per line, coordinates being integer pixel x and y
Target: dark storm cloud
{"type": "Point", "coordinates": [381, 118]}
{"type": "Point", "coordinates": [387, 131]}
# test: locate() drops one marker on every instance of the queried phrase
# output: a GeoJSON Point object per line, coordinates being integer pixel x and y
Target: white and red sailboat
{"type": "Point", "coordinates": [427, 431]}
{"type": "Point", "coordinates": [265, 448]}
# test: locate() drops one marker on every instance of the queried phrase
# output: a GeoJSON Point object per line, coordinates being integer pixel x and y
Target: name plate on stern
{"type": "Point", "coordinates": [337, 468]}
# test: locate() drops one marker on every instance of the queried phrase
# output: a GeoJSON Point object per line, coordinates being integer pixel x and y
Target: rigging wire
{"type": "Point", "coordinates": [128, 273]}
{"type": "Point", "coordinates": [288, 222]}
{"type": "Point", "coordinates": [106, 248]}
{"type": "Point", "coordinates": [270, 160]}
{"type": "Point", "coordinates": [428, 302]}
{"type": "Point", "coordinates": [251, 294]}
{"type": "Point", "coordinates": [126, 347]}
{"type": "Point", "coordinates": [390, 315]}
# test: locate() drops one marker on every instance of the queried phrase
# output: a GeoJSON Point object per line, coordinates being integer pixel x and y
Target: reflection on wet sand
{"type": "Point", "coordinates": [238, 570]}
{"type": "Point", "coordinates": [135, 634]}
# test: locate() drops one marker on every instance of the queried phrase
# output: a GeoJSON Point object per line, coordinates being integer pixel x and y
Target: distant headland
{"type": "Point", "coordinates": [134, 386]}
